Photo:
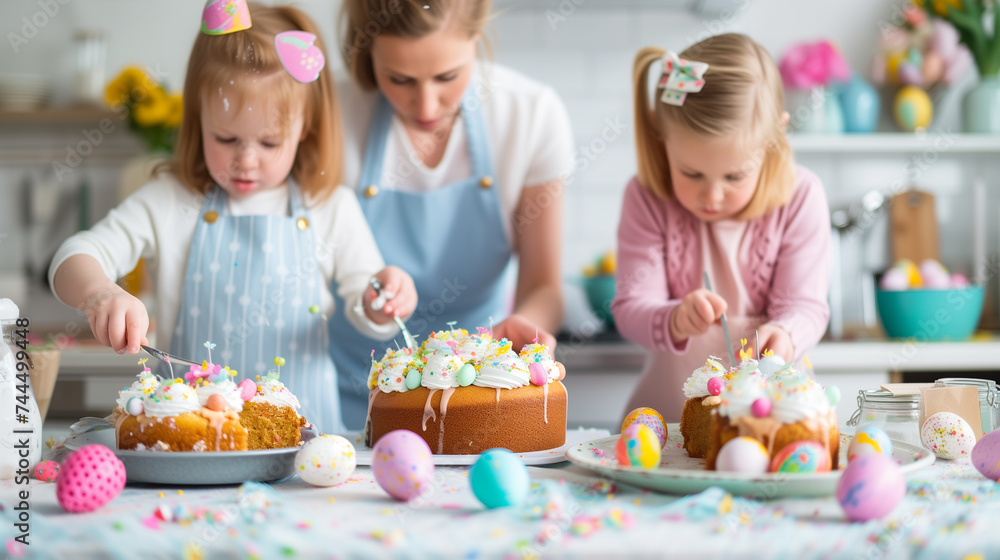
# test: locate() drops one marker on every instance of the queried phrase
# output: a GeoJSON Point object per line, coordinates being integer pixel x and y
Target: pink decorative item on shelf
{"type": "Point", "coordinates": [811, 65]}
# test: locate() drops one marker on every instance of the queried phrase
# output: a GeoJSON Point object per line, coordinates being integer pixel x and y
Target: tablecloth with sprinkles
{"type": "Point", "coordinates": [950, 511]}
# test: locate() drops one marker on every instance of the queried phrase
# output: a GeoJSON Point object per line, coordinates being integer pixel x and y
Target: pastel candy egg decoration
{"type": "Point", "coordinates": [499, 478]}
{"type": "Point", "coordinates": [638, 446]}
{"type": "Point", "coordinates": [869, 440]}
{"type": "Point", "coordinates": [47, 471]}
{"type": "Point", "coordinates": [402, 464]}
{"type": "Point", "coordinates": [413, 378]}
{"type": "Point", "coordinates": [467, 374]}
{"type": "Point", "coordinates": [134, 406]}
{"type": "Point", "coordinates": [870, 487]}
{"type": "Point", "coordinates": [326, 460]}
{"type": "Point", "coordinates": [90, 477]}
{"type": "Point", "coordinates": [649, 417]}
{"type": "Point", "coordinates": [948, 435]}
{"type": "Point", "coordinates": [801, 457]}
{"type": "Point", "coordinates": [247, 389]}
{"type": "Point", "coordinates": [536, 374]}
{"type": "Point", "coordinates": [743, 455]}
{"type": "Point", "coordinates": [986, 455]}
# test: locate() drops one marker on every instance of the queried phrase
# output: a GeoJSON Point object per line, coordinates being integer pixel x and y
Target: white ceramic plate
{"type": "Point", "coordinates": [680, 474]}
{"type": "Point", "coordinates": [545, 457]}
{"type": "Point", "coordinates": [196, 468]}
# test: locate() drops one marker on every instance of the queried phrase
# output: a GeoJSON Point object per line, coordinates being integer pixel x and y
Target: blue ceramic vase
{"type": "Point", "coordinates": [981, 109]}
{"type": "Point", "coordinates": [860, 104]}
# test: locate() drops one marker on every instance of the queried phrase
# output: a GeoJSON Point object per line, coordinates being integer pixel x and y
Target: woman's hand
{"type": "Point", "coordinates": [399, 296]}
{"type": "Point", "coordinates": [776, 339]}
{"type": "Point", "coordinates": [520, 331]}
{"type": "Point", "coordinates": [118, 319]}
{"type": "Point", "coordinates": [695, 313]}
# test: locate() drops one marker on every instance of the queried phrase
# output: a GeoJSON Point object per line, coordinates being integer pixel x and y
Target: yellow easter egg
{"type": "Point", "coordinates": [912, 109]}
{"type": "Point", "coordinates": [892, 63]}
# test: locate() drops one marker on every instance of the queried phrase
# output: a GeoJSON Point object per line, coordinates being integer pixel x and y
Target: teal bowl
{"type": "Point", "coordinates": [930, 314]}
{"type": "Point", "coordinates": [600, 291]}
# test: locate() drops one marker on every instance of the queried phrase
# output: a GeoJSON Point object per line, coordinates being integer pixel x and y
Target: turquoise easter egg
{"type": "Point", "coordinates": [412, 378]}
{"type": "Point", "coordinates": [499, 478]}
{"type": "Point", "coordinates": [466, 375]}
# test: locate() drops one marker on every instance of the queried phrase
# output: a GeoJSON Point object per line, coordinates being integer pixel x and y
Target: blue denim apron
{"type": "Point", "coordinates": [250, 288]}
{"type": "Point", "coordinates": [451, 240]}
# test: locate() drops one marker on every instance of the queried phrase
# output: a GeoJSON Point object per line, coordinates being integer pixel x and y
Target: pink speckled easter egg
{"type": "Point", "coordinates": [986, 455]}
{"type": "Point", "coordinates": [402, 464]}
{"type": "Point", "coordinates": [647, 417]}
{"type": "Point", "coordinates": [90, 477]}
{"type": "Point", "coordinates": [870, 487]}
{"type": "Point", "coordinates": [948, 435]}
{"type": "Point", "coordinates": [47, 471]}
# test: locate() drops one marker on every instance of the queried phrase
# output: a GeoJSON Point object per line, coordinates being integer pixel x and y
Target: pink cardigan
{"type": "Point", "coordinates": [786, 269]}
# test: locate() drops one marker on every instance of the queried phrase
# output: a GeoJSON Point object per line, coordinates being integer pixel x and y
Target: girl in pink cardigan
{"type": "Point", "coordinates": [717, 193]}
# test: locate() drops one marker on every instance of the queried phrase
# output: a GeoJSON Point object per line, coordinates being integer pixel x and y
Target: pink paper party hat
{"type": "Point", "coordinates": [299, 55]}
{"type": "Point", "coordinates": [225, 16]}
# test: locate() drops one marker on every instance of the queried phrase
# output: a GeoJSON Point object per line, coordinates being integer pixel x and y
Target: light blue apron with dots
{"type": "Point", "coordinates": [250, 288]}
{"type": "Point", "coordinates": [451, 240]}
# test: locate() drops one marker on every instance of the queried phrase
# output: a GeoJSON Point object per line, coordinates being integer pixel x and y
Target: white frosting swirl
{"type": "Point", "coordinates": [537, 353]}
{"type": "Point", "coordinates": [505, 371]}
{"type": "Point", "coordinates": [445, 342]}
{"type": "Point", "coordinates": [696, 386]}
{"type": "Point", "coordinates": [440, 371]}
{"type": "Point", "coordinates": [739, 395]}
{"type": "Point", "coordinates": [795, 396]}
{"type": "Point", "coordinates": [144, 386]}
{"type": "Point", "coordinates": [474, 347]}
{"type": "Point", "coordinates": [274, 392]}
{"type": "Point", "coordinates": [225, 387]}
{"type": "Point", "coordinates": [172, 399]}
{"type": "Point", "coordinates": [392, 373]}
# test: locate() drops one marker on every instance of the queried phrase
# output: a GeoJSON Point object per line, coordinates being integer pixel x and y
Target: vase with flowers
{"type": "Point", "coordinates": [154, 115]}
{"type": "Point", "coordinates": [978, 25]}
{"type": "Point", "coordinates": [809, 72]}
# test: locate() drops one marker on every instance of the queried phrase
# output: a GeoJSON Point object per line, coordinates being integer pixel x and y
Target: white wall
{"type": "Point", "coordinates": [586, 56]}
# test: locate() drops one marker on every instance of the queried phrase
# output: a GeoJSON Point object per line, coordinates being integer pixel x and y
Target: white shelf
{"type": "Point", "coordinates": [894, 143]}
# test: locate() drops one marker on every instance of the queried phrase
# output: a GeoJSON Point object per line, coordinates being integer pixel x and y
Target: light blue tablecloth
{"type": "Point", "coordinates": [950, 511]}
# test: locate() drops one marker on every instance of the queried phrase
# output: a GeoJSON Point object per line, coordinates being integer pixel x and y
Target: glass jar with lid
{"type": "Point", "coordinates": [898, 415]}
{"type": "Point", "coordinates": [989, 398]}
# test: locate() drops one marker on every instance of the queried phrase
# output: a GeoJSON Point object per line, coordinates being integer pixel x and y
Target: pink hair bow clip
{"type": "Point", "coordinates": [680, 77]}
{"type": "Point", "coordinates": [225, 16]}
{"type": "Point", "coordinates": [300, 57]}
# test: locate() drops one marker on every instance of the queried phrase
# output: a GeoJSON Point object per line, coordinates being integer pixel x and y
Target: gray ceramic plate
{"type": "Point", "coordinates": [680, 474]}
{"type": "Point", "coordinates": [196, 468]}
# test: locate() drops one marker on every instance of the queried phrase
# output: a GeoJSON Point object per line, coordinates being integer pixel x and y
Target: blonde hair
{"type": "Point", "coordinates": [742, 96]}
{"type": "Point", "coordinates": [364, 20]}
{"type": "Point", "coordinates": [231, 61]}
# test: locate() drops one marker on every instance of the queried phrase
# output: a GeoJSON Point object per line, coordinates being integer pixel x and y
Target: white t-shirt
{"type": "Point", "coordinates": [528, 130]}
{"type": "Point", "coordinates": [157, 223]}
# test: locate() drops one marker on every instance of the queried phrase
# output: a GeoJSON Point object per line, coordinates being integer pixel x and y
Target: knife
{"type": "Point", "coordinates": [725, 326]}
{"type": "Point", "coordinates": [411, 342]}
{"type": "Point", "coordinates": [164, 357]}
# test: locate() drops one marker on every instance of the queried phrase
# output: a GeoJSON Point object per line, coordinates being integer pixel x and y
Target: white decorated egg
{"type": "Point", "coordinates": [948, 435]}
{"type": "Point", "coordinates": [869, 440]}
{"type": "Point", "coordinates": [402, 464]}
{"type": "Point", "coordinates": [894, 280]}
{"type": "Point", "coordinates": [743, 455]}
{"type": "Point", "coordinates": [327, 460]}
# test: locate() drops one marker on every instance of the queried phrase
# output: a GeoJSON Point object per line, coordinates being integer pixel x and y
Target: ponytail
{"type": "Point", "coordinates": [654, 170]}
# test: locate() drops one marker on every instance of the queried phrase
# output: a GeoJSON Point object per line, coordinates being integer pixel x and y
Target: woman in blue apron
{"type": "Point", "coordinates": [459, 166]}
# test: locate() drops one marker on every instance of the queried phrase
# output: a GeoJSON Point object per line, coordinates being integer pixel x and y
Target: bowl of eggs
{"type": "Point", "coordinates": [926, 302]}
{"type": "Point", "coordinates": [599, 285]}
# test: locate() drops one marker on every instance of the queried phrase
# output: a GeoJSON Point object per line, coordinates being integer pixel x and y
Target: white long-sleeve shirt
{"type": "Point", "coordinates": [157, 223]}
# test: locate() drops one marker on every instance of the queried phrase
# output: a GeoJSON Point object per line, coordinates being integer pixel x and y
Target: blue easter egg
{"type": "Point", "coordinates": [499, 478]}
{"type": "Point", "coordinates": [869, 440]}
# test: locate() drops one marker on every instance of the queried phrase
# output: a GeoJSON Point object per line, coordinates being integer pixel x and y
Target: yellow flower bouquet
{"type": "Point", "coordinates": [153, 114]}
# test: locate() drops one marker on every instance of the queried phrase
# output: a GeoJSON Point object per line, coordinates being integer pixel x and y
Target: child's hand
{"type": "Point", "coordinates": [399, 293]}
{"type": "Point", "coordinates": [774, 338]}
{"type": "Point", "coordinates": [520, 331]}
{"type": "Point", "coordinates": [118, 319]}
{"type": "Point", "coordinates": [696, 312]}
